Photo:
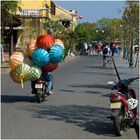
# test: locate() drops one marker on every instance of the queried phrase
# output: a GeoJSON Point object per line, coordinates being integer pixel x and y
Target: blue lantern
{"type": "Point", "coordinates": [56, 54]}
{"type": "Point", "coordinates": [40, 57]}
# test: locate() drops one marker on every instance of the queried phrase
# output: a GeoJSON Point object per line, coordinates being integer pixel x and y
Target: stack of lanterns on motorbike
{"type": "Point", "coordinates": [43, 54]}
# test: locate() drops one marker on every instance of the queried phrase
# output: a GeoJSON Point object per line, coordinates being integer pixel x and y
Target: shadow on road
{"type": "Point", "coordinates": [91, 86]}
{"type": "Point", "coordinates": [99, 73]}
{"type": "Point", "coordinates": [12, 99]}
{"type": "Point", "coordinates": [89, 118]}
{"type": "Point", "coordinates": [99, 67]}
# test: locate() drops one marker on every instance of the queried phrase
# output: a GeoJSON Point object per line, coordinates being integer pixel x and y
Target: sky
{"type": "Point", "coordinates": [92, 11]}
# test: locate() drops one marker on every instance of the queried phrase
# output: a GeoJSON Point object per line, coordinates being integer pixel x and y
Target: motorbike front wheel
{"type": "Point", "coordinates": [118, 120]}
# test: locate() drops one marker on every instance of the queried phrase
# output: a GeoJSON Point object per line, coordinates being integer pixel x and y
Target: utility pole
{"type": "Point", "coordinates": [131, 62]}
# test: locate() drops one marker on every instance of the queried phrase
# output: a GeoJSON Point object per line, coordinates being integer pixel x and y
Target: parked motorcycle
{"type": "Point", "coordinates": [123, 103]}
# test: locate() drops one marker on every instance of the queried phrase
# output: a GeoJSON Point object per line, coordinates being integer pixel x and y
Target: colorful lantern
{"type": "Point", "coordinates": [36, 73]}
{"type": "Point", "coordinates": [14, 76]}
{"type": "Point", "coordinates": [59, 42]}
{"type": "Point", "coordinates": [56, 54]}
{"type": "Point", "coordinates": [50, 67]}
{"type": "Point", "coordinates": [24, 72]}
{"type": "Point", "coordinates": [31, 46]}
{"type": "Point", "coordinates": [40, 57]}
{"type": "Point", "coordinates": [16, 59]}
{"type": "Point", "coordinates": [45, 41]}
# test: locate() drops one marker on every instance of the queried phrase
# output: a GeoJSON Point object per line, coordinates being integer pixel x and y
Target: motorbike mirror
{"type": "Point", "coordinates": [110, 83]}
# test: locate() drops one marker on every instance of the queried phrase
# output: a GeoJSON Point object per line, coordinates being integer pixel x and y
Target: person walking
{"type": "Point", "coordinates": [85, 48]}
{"type": "Point", "coordinates": [99, 49]}
{"type": "Point", "coordinates": [106, 54]}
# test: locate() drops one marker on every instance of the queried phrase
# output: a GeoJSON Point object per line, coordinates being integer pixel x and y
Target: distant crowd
{"type": "Point", "coordinates": [96, 48]}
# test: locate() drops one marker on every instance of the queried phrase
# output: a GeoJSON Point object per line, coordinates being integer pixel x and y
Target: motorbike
{"type": "Point", "coordinates": [123, 102]}
{"type": "Point", "coordinates": [40, 89]}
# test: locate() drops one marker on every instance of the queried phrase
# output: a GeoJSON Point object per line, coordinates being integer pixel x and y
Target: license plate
{"type": "Point", "coordinates": [115, 105]}
{"type": "Point", "coordinates": [38, 85]}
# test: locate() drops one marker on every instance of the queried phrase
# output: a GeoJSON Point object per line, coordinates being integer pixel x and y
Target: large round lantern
{"type": "Point", "coordinates": [23, 71]}
{"type": "Point", "coordinates": [56, 54]}
{"type": "Point", "coordinates": [45, 41]}
{"type": "Point", "coordinates": [36, 73]}
{"type": "Point", "coordinates": [31, 46]}
{"type": "Point", "coordinates": [16, 59]}
{"type": "Point", "coordinates": [40, 57]}
{"type": "Point", "coordinates": [50, 67]}
{"type": "Point", "coordinates": [59, 42]}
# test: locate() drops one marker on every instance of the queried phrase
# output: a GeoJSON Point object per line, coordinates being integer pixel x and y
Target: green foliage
{"type": "Point", "coordinates": [85, 32]}
{"type": "Point", "coordinates": [55, 26]}
{"type": "Point", "coordinates": [67, 35]}
{"type": "Point", "coordinates": [131, 21]}
{"type": "Point", "coordinates": [11, 6]}
{"type": "Point", "coordinates": [103, 30]}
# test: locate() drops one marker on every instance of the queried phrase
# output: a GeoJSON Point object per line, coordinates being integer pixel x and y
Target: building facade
{"type": "Point", "coordinates": [34, 14]}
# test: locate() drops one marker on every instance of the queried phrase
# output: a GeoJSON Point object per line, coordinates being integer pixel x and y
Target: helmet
{"type": "Point", "coordinates": [132, 103]}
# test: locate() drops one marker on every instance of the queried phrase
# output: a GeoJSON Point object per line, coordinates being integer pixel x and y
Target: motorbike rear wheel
{"type": "Point", "coordinates": [118, 120]}
{"type": "Point", "coordinates": [40, 96]}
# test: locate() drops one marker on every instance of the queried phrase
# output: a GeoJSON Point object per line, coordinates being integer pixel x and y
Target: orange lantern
{"type": "Point", "coordinates": [59, 42]}
{"type": "Point", "coordinates": [50, 67]}
{"type": "Point", "coordinates": [45, 41]}
{"type": "Point", "coordinates": [31, 46]}
{"type": "Point", "coordinates": [16, 59]}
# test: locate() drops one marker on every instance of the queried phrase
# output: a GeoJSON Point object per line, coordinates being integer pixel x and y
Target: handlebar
{"type": "Point", "coordinates": [128, 81]}
{"type": "Point", "coordinates": [125, 82]}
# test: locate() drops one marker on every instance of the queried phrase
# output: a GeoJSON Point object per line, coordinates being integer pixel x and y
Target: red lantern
{"type": "Point", "coordinates": [50, 67]}
{"type": "Point", "coordinates": [45, 41]}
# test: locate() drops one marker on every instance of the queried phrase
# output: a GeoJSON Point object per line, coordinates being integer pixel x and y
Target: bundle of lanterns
{"type": "Point", "coordinates": [43, 54]}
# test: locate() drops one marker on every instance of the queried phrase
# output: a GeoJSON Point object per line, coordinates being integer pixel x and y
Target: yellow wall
{"type": "Point", "coordinates": [61, 14]}
{"type": "Point", "coordinates": [33, 4]}
{"type": "Point", "coordinates": [33, 27]}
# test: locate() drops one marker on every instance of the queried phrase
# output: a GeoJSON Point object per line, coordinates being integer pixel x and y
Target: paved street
{"type": "Point", "coordinates": [78, 109]}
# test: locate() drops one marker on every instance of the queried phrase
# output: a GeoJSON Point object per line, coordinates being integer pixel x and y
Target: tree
{"type": "Point", "coordinates": [10, 6]}
{"type": "Point", "coordinates": [8, 10]}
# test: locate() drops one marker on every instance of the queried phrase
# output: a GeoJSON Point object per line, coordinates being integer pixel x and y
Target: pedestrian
{"type": "Point", "coordinates": [47, 76]}
{"type": "Point", "coordinates": [90, 49]}
{"type": "Point", "coordinates": [106, 53]}
{"type": "Point", "coordinates": [99, 49]}
{"type": "Point", "coordinates": [2, 52]}
{"type": "Point", "coordinates": [113, 48]}
{"type": "Point", "coordinates": [85, 48]}
{"type": "Point", "coordinates": [116, 51]}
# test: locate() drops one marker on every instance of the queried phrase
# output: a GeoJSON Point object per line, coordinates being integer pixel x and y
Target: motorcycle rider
{"type": "Point", "coordinates": [47, 76]}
